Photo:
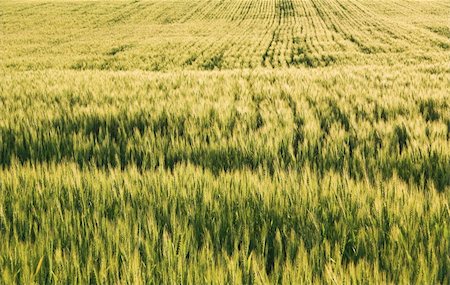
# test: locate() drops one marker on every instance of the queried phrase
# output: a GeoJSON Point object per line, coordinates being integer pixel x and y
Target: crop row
{"type": "Point", "coordinates": [173, 35]}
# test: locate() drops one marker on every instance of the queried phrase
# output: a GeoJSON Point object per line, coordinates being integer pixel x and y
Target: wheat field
{"type": "Point", "coordinates": [225, 142]}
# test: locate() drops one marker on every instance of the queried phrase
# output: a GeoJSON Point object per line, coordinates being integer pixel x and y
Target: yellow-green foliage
{"type": "Point", "coordinates": [225, 142]}
{"type": "Point", "coordinates": [167, 35]}
{"type": "Point", "coordinates": [191, 226]}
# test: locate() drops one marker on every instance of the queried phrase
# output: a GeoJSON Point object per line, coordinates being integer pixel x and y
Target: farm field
{"type": "Point", "coordinates": [225, 142]}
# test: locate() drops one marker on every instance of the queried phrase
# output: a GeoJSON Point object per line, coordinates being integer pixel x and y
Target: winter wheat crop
{"type": "Point", "coordinates": [225, 142]}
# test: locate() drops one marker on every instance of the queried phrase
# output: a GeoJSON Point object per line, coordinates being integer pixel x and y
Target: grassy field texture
{"type": "Point", "coordinates": [162, 35]}
{"type": "Point", "coordinates": [225, 142]}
